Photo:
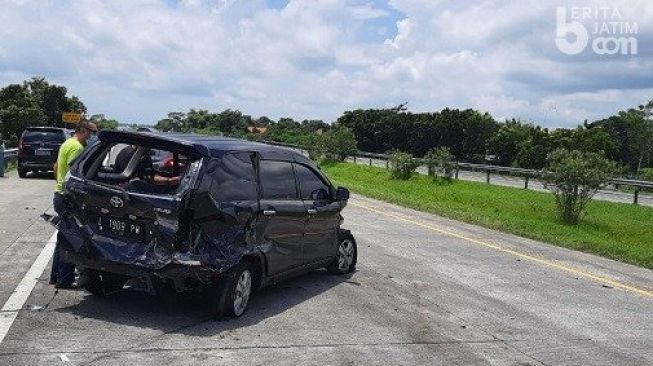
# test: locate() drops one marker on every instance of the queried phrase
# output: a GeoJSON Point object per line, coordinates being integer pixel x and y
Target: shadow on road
{"type": "Point", "coordinates": [188, 314]}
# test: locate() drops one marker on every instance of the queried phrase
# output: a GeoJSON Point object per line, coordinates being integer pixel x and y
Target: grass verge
{"type": "Point", "coordinates": [10, 166]}
{"type": "Point", "coordinates": [613, 230]}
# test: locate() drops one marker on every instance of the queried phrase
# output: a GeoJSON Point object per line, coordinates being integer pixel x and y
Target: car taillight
{"type": "Point", "coordinates": [20, 146]}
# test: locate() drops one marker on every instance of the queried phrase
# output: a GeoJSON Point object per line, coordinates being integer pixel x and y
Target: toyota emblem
{"type": "Point", "coordinates": [116, 201]}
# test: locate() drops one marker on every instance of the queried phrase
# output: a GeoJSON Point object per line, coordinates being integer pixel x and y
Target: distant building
{"type": "Point", "coordinates": [256, 130]}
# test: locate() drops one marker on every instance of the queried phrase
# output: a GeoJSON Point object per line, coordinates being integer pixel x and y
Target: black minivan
{"type": "Point", "coordinates": [227, 216]}
{"type": "Point", "coordinates": [38, 148]}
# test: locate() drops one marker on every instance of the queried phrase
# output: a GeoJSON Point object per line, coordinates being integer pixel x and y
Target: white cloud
{"type": "Point", "coordinates": [139, 60]}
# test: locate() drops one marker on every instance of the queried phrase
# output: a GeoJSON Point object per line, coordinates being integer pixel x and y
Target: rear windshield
{"type": "Point", "coordinates": [43, 136]}
{"type": "Point", "coordinates": [142, 169]}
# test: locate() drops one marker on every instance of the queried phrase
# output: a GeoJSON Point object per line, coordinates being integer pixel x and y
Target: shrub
{"type": "Point", "coordinates": [574, 177]}
{"type": "Point", "coordinates": [337, 144]}
{"type": "Point", "coordinates": [401, 165]}
{"type": "Point", "coordinates": [646, 174]}
{"type": "Point", "coordinates": [440, 162]}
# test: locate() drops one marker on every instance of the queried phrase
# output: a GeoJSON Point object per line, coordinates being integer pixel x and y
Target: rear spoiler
{"type": "Point", "coordinates": [153, 140]}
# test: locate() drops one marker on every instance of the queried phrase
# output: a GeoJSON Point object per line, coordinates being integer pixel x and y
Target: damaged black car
{"type": "Point", "coordinates": [193, 212]}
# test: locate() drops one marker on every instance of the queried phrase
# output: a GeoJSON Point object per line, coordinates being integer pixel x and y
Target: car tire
{"type": "Point", "coordinates": [231, 293]}
{"type": "Point", "coordinates": [102, 283]}
{"type": "Point", "coordinates": [22, 173]}
{"type": "Point", "coordinates": [345, 260]}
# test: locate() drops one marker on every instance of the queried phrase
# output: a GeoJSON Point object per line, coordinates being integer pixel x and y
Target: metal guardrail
{"type": "Point", "coordinates": [638, 185]}
{"type": "Point", "coordinates": [7, 156]}
{"type": "Point", "coordinates": [10, 153]}
{"type": "Point", "coordinates": [488, 169]}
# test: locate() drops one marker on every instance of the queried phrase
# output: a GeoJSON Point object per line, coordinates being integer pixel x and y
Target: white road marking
{"type": "Point", "coordinates": [24, 289]}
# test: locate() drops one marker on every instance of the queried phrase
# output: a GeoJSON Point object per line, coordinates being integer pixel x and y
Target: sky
{"type": "Point", "coordinates": [138, 60]}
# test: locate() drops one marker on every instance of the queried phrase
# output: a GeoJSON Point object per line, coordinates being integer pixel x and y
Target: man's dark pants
{"type": "Point", "coordinates": [62, 273]}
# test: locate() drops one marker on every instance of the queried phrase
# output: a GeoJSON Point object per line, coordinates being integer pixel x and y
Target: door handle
{"type": "Point", "coordinates": [269, 212]}
{"type": "Point", "coordinates": [312, 211]}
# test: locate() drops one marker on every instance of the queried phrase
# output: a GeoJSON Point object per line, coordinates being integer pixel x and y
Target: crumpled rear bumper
{"type": "Point", "coordinates": [172, 270]}
{"type": "Point", "coordinates": [89, 251]}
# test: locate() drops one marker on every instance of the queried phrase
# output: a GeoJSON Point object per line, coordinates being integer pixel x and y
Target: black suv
{"type": "Point", "coordinates": [227, 216]}
{"type": "Point", "coordinates": [38, 148]}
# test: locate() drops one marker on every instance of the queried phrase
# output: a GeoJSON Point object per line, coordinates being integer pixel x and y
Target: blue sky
{"type": "Point", "coordinates": [138, 60]}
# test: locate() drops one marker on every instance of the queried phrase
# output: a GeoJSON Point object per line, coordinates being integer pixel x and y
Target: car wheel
{"type": "Point", "coordinates": [22, 173]}
{"type": "Point", "coordinates": [101, 283]}
{"type": "Point", "coordinates": [230, 296]}
{"type": "Point", "coordinates": [346, 256]}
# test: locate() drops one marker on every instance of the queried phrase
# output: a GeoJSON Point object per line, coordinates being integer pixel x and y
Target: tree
{"type": "Point", "coordinates": [632, 131]}
{"type": "Point", "coordinates": [508, 140]}
{"type": "Point", "coordinates": [314, 125]}
{"type": "Point", "coordinates": [643, 142]}
{"type": "Point", "coordinates": [199, 120]}
{"type": "Point", "coordinates": [176, 122]}
{"type": "Point", "coordinates": [574, 177]}
{"type": "Point", "coordinates": [231, 120]}
{"type": "Point", "coordinates": [104, 123]}
{"type": "Point", "coordinates": [338, 143]}
{"type": "Point", "coordinates": [263, 121]}
{"type": "Point", "coordinates": [52, 100]}
{"type": "Point", "coordinates": [35, 102]}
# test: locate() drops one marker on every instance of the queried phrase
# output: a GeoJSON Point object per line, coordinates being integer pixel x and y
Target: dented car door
{"type": "Point", "coordinates": [282, 215]}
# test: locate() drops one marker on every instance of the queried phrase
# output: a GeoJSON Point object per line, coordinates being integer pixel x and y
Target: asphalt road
{"type": "Point", "coordinates": [428, 291]}
{"type": "Point", "coordinates": [645, 199]}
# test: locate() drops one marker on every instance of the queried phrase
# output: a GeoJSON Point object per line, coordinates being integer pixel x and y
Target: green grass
{"type": "Point", "coordinates": [614, 230]}
{"type": "Point", "coordinates": [10, 166]}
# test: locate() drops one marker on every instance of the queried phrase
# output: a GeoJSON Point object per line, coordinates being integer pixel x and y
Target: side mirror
{"type": "Point", "coordinates": [342, 194]}
{"type": "Point", "coordinates": [319, 195]}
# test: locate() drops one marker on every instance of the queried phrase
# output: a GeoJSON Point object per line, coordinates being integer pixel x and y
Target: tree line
{"type": "Point", "coordinates": [36, 102]}
{"type": "Point", "coordinates": [470, 135]}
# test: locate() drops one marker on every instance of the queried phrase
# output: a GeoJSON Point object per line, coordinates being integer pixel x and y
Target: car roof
{"type": "Point", "coordinates": [211, 145]}
{"type": "Point", "coordinates": [44, 129]}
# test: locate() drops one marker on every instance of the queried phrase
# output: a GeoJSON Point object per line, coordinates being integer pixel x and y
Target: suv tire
{"type": "Point", "coordinates": [232, 291]}
{"type": "Point", "coordinates": [345, 259]}
{"type": "Point", "coordinates": [22, 173]}
{"type": "Point", "coordinates": [101, 283]}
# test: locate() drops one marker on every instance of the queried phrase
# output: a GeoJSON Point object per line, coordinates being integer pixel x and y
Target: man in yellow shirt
{"type": "Point", "coordinates": [63, 274]}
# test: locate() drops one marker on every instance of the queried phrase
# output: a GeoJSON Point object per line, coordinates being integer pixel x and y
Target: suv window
{"type": "Point", "coordinates": [43, 136]}
{"type": "Point", "coordinates": [308, 181]}
{"type": "Point", "coordinates": [234, 178]}
{"type": "Point", "coordinates": [277, 180]}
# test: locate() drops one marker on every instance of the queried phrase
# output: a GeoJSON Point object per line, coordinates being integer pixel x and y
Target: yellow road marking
{"type": "Point", "coordinates": [544, 261]}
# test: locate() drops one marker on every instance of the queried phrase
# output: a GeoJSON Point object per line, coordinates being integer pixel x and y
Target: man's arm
{"type": "Point", "coordinates": [165, 181]}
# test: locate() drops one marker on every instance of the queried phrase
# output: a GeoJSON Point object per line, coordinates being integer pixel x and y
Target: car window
{"type": "Point", "coordinates": [277, 180]}
{"type": "Point", "coordinates": [234, 178]}
{"type": "Point", "coordinates": [132, 167]}
{"type": "Point", "coordinates": [43, 136]}
{"type": "Point", "coordinates": [110, 159]}
{"type": "Point", "coordinates": [168, 162]}
{"type": "Point", "coordinates": [308, 181]}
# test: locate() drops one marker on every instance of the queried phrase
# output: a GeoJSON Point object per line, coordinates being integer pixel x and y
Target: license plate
{"type": "Point", "coordinates": [41, 152]}
{"type": "Point", "coordinates": [120, 228]}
